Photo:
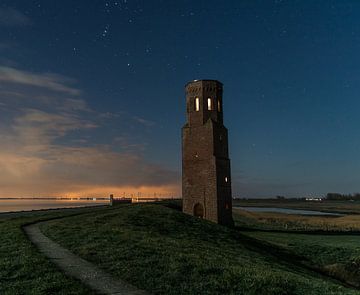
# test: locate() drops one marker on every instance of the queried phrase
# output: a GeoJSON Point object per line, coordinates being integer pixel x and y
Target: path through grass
{"type": "Point", "coordinates": [23, 270]}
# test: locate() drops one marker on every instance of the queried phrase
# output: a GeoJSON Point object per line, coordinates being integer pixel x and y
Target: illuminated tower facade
{"type": "Point", "coordinates": [206, 179]}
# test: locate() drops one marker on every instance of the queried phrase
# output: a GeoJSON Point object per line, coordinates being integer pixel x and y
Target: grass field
{"type": "Point", "coordinates": [166, 252]}
{"type": "Point", "coordinates": [338, 255]}
{"type": "Point", "coordinates": [23, 270]}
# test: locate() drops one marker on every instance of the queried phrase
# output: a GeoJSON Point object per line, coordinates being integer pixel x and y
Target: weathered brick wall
{"type": "Point", "coordinates": [206, 164]}
{"type": "Point", "coordinates": [199, 171]}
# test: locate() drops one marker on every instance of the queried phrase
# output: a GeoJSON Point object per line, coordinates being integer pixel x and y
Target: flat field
{"type": "Point", "coordinates": [278, 221]}
{"type": "Point", "coordinates": [326, 206]}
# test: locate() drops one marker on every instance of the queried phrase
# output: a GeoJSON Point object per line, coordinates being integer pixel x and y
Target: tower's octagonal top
{"type": "Point", "coordinates": [197, 86]}
{"type": "Point", "coordinates": [203, 81]}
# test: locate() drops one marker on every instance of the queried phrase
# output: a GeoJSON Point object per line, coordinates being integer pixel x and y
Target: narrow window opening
{"type": "Point", "coordinates": [209, 104]}
{"type": "Point", "coordinates": [219, 105]}
{"type": "Point", "coordinates": [226, 179]}
{"type": "Point", "coordinates": [197, 104]}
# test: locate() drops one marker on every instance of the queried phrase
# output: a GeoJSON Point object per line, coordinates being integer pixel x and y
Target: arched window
{"type": "Point", "coordinates": [199, 210]}
{"type": "Point", "coordinates": [219, 105]}
{"type": "Point", "coordinates": [197, 104]}
{"type": "Point", "coordinates": [209, 104]}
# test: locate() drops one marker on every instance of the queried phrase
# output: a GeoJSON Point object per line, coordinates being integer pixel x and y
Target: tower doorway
{"type": "Point", "coordinates": [199, 210]}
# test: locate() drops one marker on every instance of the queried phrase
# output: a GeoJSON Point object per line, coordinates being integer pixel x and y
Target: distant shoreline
{"type": "Point", "coordinates": [57, 198]}
{"type": "Point", "coordinates": [25, 212]}
{"type": "Point", "coordinates": [12, 205]}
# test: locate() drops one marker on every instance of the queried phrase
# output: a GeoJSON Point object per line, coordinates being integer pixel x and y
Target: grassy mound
{"type": "Point", "coordinates": [166, 252]}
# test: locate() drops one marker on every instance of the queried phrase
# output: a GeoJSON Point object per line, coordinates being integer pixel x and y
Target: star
{"type": "Point", "coordinates": [105, 32]}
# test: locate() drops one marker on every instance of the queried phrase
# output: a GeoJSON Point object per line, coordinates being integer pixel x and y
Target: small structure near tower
{"type": "Point", "coordinates": [206, 180]}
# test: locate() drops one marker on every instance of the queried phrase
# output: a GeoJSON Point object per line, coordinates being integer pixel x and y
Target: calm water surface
{"type": "Point", "coordinates": [28, 205]}
{"type": "Point", "coordinates": [287, 211]}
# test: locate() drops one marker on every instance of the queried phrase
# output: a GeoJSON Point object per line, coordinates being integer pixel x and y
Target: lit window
{"type": "Point", "coordinates": [226, 179]}
{"type": "Point", "coordinates": [209, 104]}
{"type": "Point", "coordinates": [197, 104]}
{"type": "Point", "coordinates": [219, 106]}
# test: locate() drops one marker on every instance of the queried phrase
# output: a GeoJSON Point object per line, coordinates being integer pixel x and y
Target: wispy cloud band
{"type": "Point", "coordinates": [13, 17]}
{"type": "Point", "coordinates": [49, 81]}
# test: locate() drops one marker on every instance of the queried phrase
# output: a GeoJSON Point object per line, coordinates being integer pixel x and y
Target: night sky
{"type": "Point", "coordinates": [92, 94]}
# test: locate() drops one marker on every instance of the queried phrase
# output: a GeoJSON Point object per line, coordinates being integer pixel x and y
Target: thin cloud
{"type": "Point", "coordinates": [4, 46]}
{"type": "Point", "coordinates": [52, 82]}
{"type": "Point", "coordinates": [143, 121]}
{"type": "Point", "coordinates": [35, 126]}
{"type": "Point", "coordinates": [12, 17]}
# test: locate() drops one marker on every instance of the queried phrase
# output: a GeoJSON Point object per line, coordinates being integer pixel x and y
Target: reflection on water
{"type": "Point", "coordinates": [34, 204]}
{"type": "Point", "coordinates": [287, 211]}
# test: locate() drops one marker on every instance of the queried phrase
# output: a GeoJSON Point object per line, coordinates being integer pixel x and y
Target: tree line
{"type": "Point", "coordinates": [337, 196]}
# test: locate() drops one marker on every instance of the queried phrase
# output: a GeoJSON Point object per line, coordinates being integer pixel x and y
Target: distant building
{"type": "Point", "coordinates": [313, 199]}
{"type": "Point", "coordinates": [206, 180]}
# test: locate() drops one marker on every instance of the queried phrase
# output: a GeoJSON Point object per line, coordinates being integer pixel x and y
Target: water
{"type": "Point", "coordinates": [287, 211]}
{"type": "Point", "coordinates": [14, 205]}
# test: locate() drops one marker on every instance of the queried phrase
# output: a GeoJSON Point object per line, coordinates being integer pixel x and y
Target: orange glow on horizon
{"type": "Point", "coordinates": [98, 191]}
{"type": "Point", "coordinates": [118, 192]}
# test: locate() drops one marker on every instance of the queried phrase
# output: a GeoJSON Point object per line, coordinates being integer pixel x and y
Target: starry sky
{"type": "Point", "coordinates": [92, 94]}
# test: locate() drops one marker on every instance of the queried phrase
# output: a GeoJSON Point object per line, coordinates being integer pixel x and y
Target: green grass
{"type": "Point", "coordinates": [321, 249]}
{"type": "Point", "coordinates": [338, 255]}
{"type": "Point", "coordinates": [166, 252]}
{"type": "Point", "coordinates": [23, 270]}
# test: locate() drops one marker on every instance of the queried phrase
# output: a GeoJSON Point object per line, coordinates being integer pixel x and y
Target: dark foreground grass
{"type": "Point", "coordinates": [321, 249]}
{"type": "Point", "coordinates": [23, 270]}
{"type": "Point", "coordinates": [166, 252]}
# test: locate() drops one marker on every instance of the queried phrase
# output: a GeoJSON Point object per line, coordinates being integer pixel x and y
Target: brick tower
{"type": "Point", "coordinates": [206, 181]}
